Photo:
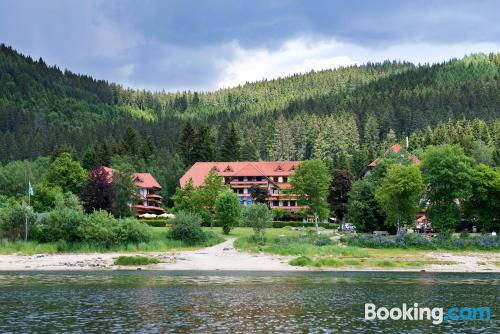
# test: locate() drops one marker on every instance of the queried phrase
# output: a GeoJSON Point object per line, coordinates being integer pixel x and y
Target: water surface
{"type": "Point", "coordinates": [236, 302]}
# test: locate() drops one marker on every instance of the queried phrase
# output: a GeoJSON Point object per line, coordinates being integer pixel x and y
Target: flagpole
{"type": "Point", "coordinates": [26, 211]}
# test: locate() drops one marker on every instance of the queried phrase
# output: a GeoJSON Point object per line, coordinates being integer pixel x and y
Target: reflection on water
{"type": "Point", "coordinates": [237, 302]}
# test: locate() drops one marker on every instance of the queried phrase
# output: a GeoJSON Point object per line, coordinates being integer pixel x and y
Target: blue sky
{"type": "Point", "coordinates": [205, 45]}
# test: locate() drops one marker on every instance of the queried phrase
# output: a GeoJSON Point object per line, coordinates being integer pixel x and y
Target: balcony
{"type": "Point", "coordinates": [154, 196]}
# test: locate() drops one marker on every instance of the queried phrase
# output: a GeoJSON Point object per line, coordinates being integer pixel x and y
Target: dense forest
{"type": "Point", "coordinates": [344, 117]}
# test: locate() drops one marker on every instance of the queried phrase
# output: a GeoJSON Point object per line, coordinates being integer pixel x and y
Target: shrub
{"type": "Point", "coordinates": [280, 224]}
{"type": "Point", "coordinates": [132, 231]}
{"type": "Point", "coordinates": [62, 223]}
{"type": "Point", "coordinates": [186, 227]}
{"type": "Point", "coordinates": [301, 261]}
{"type": "Point", "coordinates": [259, 217]}
{"type": "Point", "coordinates": [228, 210]}
{"type": "Point", "coordinates": [281, 214]}
{"type": "Point", "coordinates": [134, 261]}
{"type": "Point", "coordinates": [101, 228]}
{"type": "Point", "coordinates": [411, 240]}
{"type": "Point", "coordinates": [13, 219]}
{"type": "Point", "coordinates": [156, 222]}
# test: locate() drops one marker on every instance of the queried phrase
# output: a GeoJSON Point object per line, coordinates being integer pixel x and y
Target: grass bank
{"type": "Point", "coordinates": [135, 261]}
{"type": "Point", "coordinates": [159, 242]}
{"type": "Point", "coordinates": [320, 251]}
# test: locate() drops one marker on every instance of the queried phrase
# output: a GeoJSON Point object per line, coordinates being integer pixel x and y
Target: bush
{"type": "Point", "coordinates": [100, 228]}
{"type": "Point", "coordinates": [411, 240]}
{"type": "Point", "coordinates": [13, 219]}
{"type": "Point", "coordinates": [301, 261]}
{"type": "Point", "coordinates": [186, 227]}
{"type": "Point", "coordinates": [156, 222]}
{"type": "Point", "coordinates": [134, 261]}
{"type": "Point", "coordinates": [132, 231]}
{"type": "Point", "coordinates": [281, 214]}
{"type": "Point", "coordinates": [228, 210]}
{"type": "Point", "coordinates": [259, 217]}
{"type": "Point", "coordinates": [280, 224]}
{"type": "Point", "coordinates": [62, 223]}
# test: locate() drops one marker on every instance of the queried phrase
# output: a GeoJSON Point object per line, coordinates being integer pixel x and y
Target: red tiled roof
{"type": "Point", "coordinates": [394, 149]}
{"type": "Point", "coordinates": [199, 171]}
{"type": "Point", "coordinates": [142, 180]}
{"type": "Point", "coordinates": [145, 180]}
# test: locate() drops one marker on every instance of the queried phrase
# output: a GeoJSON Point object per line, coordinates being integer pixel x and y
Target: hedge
{"type": "Point", "coordinates": [279, 224]}
{"type": "Point", "coordinates": [157, 222]}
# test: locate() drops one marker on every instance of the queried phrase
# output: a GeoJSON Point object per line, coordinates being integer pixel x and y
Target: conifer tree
{"type": "Point", "coordinates": [231, 147]}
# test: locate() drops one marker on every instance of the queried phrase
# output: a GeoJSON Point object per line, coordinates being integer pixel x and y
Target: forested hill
{"type": "Point", "coordinates": [42, 106]}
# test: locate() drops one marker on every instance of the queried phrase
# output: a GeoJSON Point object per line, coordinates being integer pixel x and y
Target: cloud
{"type": "Point", "coordinates": [205, 45]}
{"type": "Point", "coordinates": [303, 54]}
{"type": "Point", "coordinates": [297, 55]}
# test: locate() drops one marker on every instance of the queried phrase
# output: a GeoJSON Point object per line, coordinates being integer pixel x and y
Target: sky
{"type": "Point", "coordinates": [210, 44]}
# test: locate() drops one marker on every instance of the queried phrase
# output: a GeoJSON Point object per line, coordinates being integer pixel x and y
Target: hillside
{"type": "Point", "coordinates": [344, 117]}
{"type": "Point", "coordinates": [35, 97]}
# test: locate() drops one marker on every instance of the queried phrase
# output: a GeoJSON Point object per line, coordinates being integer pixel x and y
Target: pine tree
{"type": "Point", "coordinates": [90, 159]}
{"type": "Point", "coordinates": [231, 147]}
{"type": "Point", "coordinates": [372, 131]}
{"type": "Point", "coordinates": [283, 147]}
{"type": "Point", "coordinates": [147, 149]}
{"type": "Point", "coordinates": [130, 141]}
{"type": "Point", "coordinates": [186, 143]}
{"type": "Point", "coordinates": [204, 145]}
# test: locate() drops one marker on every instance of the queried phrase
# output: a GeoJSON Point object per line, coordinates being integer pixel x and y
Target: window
{"type": "Point", "coordinates": [285, 203]}
{"type": "Point", "coordinates": [285, 179]}
{"type": "Point", "coordinates": [258, 178]}
{"type": "Point", "coordinates": [276, 203]}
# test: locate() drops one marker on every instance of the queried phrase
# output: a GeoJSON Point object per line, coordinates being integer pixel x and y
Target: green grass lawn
{"type": "Point", "coordinates": [158, 243]}
{"type": "Point", "coordinates": [333, 254]}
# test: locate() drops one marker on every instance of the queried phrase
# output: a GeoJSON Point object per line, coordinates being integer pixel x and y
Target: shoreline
{"type": "Point", "coordinates": [224, 257]}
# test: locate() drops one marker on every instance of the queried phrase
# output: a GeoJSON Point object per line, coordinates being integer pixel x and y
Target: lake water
{"type": "Point", "coordinates": [236, 302]}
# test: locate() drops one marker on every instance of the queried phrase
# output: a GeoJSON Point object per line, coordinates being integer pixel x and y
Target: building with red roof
{"type": "Point", "coordinates": [243, 175]}
{"type": "Point", "coordinates": [394, 150]}
{"type": "Point", "coordinates": [148, 201]}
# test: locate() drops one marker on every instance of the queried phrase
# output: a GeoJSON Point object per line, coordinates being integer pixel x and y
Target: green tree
{"type": "Point", "coordinates": [187, 143]}
{"type": "Point", "coordinates": [231, 147]}
{"type": "Point", "coordinates": [204, 145]}
{"type": "Point", "coordinates": [400, 193]}
{"type": "Point", "coordinates": [362, 209]}
{"type": "Point", "coordinates": [147, 149]}
{"type": "Point", "coordinates": [90, 159]}
{"type": "Point", "coordinates": [259, 217]}
{"type": "Point", "coordinates": [448, 175]}
{"type": "Point", "coordinates": [45, 197]}
{"type": "Point", "coordinates": [483, 206]}
{"type": "Point", "coordinates": [339, 192]}
{"type": "Point", "coordinates": [311, 182]}
{"type": "Point", "coordinates": [62, 223]}
{"type": "Point", "coordinates": [66, 173]}
{"type": "Point", "coordinates": [130, 141]}
{"type": "Point", "coordinates": [124, 193]}
{"type": "Point", "coordinates": [282, 147]}
{"type": "Point", "coordinates": [207, 194]}
{"type": "Point", "coordinates": [13, 219]}
{"type": "Point", "coordinates": [228, 210]}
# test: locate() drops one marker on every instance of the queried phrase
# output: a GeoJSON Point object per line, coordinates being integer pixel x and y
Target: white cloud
{"type": "Point", "coordinates": [303, 54]}
{"type": "Point", "coordinates": [294, 56]}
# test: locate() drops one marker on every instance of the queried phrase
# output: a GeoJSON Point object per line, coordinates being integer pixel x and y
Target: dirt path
{"type": "Point", "coordinates": [224, 257]}
{"type": "Point", "coordinates": [219, 257]}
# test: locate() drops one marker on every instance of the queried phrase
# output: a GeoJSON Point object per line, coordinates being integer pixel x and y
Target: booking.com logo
{"type": "Point", "coordinates": [436, 314]}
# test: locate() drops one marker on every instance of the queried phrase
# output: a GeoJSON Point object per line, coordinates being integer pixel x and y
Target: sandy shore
{"type": "Point", "coordinates": [224, 257]}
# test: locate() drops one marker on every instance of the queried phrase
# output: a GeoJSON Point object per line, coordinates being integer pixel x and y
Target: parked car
{"type": "Point", "coordinates": [347, 227]}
